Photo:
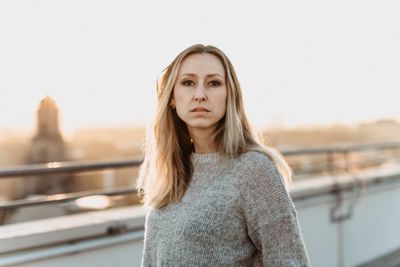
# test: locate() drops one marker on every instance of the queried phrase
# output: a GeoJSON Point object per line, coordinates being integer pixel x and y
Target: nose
{"type": "Point", "coordinates": [200, 94]}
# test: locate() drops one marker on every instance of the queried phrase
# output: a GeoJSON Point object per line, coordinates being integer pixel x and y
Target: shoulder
{"type": "Point", "coordinates": [256, 159]}
{"type": "Point", "coordinates": [259, 168]}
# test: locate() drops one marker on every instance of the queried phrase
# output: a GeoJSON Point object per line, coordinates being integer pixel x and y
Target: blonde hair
{"type": "Point", "coordinates": [166, 170]}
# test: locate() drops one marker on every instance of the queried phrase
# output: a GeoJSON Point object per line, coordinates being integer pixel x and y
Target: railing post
{"type": "Point", "coordinates": [108, 178]}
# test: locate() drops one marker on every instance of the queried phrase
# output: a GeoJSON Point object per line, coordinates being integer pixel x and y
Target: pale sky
{"type": "Point", "coordinates": [299, 62]}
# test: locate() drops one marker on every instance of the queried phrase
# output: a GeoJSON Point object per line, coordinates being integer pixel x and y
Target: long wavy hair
{"type": "Point", "coordinates": [166, 170]}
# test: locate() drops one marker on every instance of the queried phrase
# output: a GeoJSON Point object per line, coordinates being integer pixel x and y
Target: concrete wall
{"type": "Point", "coordinates": [345, 220]}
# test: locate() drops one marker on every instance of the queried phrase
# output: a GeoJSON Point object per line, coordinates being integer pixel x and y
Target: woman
{"type": "Point", "coordinates": [217, 197]}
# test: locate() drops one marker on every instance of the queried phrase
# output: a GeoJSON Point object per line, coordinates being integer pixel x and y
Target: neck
{"type": "Point", "coordinates": [203, 142]}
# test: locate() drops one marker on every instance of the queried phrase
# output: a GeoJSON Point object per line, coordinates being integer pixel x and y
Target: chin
{"type": "Point", "coordinates": [201, 125]}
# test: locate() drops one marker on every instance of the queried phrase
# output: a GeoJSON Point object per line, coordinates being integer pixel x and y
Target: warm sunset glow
{"type": "Point", "coordinates": [93, 202]}
{"type": "Point", "coordinates": [53, 164]}
{"type": "Point", "coordinates": [302, 63]}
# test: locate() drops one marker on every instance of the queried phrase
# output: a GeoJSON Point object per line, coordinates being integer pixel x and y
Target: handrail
{"type": "Point", "coordinates": [66, 167]}
{"type": "Point", "coordinates": [341, 148]}
{"type": "Point", "coordinates": [64, 197]}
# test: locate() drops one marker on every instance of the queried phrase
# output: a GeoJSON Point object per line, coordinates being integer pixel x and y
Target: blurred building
{"type": "Point", "coordinates": [47, 145]}
{"type": "Point", "coordinates": [383, 130]}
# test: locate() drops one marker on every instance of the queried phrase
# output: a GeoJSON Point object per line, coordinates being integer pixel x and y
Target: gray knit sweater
{"type": "Point", "coordinates": [235, 212]}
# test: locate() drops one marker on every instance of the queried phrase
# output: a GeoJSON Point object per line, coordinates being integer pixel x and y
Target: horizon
{"type": "Point", "coordinates": [31, 131]}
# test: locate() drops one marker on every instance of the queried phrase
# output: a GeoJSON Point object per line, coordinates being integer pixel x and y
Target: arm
{"type": "Point", "coordinates": [271, 217]}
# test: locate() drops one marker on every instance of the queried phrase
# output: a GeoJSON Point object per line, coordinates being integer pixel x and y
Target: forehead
{"type": "Point", "coordinates": [202, 64]}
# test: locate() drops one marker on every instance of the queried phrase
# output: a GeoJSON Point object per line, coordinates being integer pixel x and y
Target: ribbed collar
{"type": "Point", "coordinates": [205, 158]}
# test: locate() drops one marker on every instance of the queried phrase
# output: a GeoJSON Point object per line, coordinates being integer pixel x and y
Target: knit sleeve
{"type": "Point", "coordinates": [270, 215]}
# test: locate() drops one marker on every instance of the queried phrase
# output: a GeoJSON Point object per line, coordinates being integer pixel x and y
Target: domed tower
{"type": "Point", "coordinates": [48, 119]}
{"type": "Point", "coordinates": [47, 144]}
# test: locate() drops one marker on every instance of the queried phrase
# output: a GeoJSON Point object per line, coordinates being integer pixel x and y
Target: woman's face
{"type": "Point", "coordinates": [200, 92]}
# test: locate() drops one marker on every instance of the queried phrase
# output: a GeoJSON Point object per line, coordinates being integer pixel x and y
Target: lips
{"type": "Point", "coordinates": [198, 109]}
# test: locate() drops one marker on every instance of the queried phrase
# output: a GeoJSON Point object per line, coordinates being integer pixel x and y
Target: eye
{"type": "Point", "coordinates": [187, 83]}
{"type": "Point", "coordinates": [214, 83]}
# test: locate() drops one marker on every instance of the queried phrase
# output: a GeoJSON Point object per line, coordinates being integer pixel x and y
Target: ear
{"type": "Point", "coordinates": [172, 103]}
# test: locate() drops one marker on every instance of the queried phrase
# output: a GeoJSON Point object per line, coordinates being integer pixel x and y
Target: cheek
{"type": "Point", "coordinates": [179, 100]}
{"type": "Point", "coordinates": [221, 103]}
{"type": "Point", "coordinates": [180, 97]}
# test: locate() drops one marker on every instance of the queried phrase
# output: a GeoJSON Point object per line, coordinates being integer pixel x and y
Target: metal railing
{"type": "Point", "coordinates": [341, 148]}
{"type": "Point", "coordinates": [27, 171]}
{"type": "Point", "coordinates": [44, 170]}
{"type": "Point", "coordinates": [345, 151]}
{"type": "Point", "coordinates": [66, 167]}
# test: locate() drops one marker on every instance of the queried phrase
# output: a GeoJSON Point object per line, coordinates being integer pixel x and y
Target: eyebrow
{"type": "Point", "coordinates": [208, 75]}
